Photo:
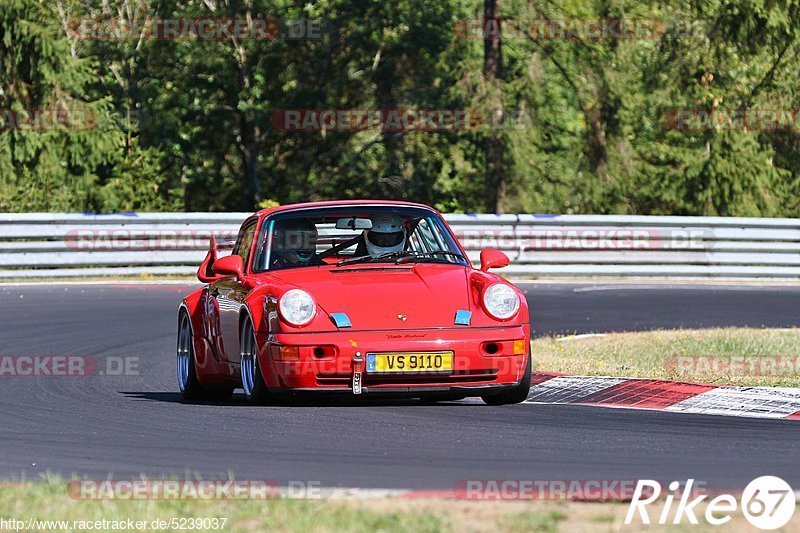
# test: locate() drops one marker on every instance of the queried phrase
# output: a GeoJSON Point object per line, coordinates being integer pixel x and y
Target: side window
{"type": "Point", "coordinates": [244, 243]}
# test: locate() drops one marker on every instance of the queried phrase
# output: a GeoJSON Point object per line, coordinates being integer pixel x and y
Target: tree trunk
{"type": "Point", "coordinates": [250, 144]}
{"type": "Point", "coordinates": [250, 148]}
{"type": "Point", "coordinates": [495, 147]}
{"type": "Point", "coordinates": [392, 183]}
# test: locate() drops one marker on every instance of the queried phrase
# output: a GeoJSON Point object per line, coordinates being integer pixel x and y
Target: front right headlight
{"type": "Point", "coordinates": [297, 307]}
{"type": "Point", "coordinates": [501, 301]}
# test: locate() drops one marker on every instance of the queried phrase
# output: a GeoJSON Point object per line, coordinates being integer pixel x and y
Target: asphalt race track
{"type": "Point", "coordinates": [128, 425]}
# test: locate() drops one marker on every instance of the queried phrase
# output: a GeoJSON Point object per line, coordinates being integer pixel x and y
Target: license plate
{"type": "Point", "coordinates": [410, 362]}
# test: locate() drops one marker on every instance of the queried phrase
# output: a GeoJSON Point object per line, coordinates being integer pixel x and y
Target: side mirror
{"type": "Point", "coordinates": [231, 265]}
{"type": "Point", "coordinates": [493, 258]}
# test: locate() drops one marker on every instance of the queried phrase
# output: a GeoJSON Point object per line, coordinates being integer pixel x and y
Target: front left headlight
{"type": "Point", "coordinates": [501, 301]}
{"type": "Point", "coordinates": [297, 307]}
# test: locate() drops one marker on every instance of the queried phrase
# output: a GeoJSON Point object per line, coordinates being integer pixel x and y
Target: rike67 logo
{"type": "Point", "coordinates": [767, 502]}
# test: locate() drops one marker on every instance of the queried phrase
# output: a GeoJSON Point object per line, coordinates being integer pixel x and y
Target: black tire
{"type": "Point", "coordinates": [515, 395]}
{"type": "Point", "coordinates": [255, 388]}
{"type": "Point", "coordinates": [188, 383]}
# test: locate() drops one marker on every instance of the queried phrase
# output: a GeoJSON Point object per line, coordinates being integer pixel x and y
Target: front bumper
{"type": "Point", "coordinates": [330, 362]}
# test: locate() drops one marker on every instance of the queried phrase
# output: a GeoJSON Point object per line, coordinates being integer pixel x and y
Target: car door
{"type": "Point", "coordinates": [230, 293]}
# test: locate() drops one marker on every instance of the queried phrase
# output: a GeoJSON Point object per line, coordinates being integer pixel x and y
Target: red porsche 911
{"type": "Point", "coordinates": [353, 297]}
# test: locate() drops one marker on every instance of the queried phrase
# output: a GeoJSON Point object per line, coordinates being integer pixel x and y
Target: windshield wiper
{"type": "Point", "coordinates": [428, 255]}
{"type": "Point", "coordinates": [370, 258]}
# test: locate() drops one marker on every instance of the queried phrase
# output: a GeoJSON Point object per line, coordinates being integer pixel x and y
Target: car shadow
{"type": "Point", "coordinates": [238, 400]}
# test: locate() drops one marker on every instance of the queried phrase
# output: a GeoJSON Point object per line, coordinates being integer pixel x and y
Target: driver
{"type": "Point", "coordinates": [388, 234]}
{"type": "Point", "coordinates": [294, 243]}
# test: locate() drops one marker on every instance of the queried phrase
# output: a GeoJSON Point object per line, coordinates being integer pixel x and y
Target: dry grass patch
{"type": "Point", "coordinates": [729, 356]}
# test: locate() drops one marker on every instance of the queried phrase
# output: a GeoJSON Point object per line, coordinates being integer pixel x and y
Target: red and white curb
{"type": "Point", "coordinates": [673, 396]}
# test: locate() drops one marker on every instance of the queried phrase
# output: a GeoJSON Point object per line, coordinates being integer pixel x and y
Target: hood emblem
{"type": "Point", "coordinates": [402, 317]}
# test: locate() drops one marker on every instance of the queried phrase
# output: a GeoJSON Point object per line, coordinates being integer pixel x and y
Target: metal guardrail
{"type": "Point", "coordinates": [56, 245]}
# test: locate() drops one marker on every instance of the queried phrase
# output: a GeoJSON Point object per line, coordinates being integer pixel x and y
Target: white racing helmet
{"type": "Point", "coordinates": [388, 234]}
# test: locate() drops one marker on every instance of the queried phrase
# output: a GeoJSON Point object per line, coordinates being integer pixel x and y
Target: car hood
{"type": "Point", "coordinates": [380, 296]}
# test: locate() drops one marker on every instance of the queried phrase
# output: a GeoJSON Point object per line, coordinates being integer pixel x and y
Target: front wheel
{"type": "Point", "coordinates": [515, 395]}
{"type": "Point", "coordinates": [255, 389]}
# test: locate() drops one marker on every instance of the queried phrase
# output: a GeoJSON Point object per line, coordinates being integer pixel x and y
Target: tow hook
{"type": "Point", "coordinates": [358, 369]}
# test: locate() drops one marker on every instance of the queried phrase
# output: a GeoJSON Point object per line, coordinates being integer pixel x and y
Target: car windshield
{"type": "Point", "coordinates": [339, 236]}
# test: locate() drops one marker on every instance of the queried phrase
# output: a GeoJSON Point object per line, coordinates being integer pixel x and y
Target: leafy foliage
{"type": "Point", "coordinates": [587, 124]}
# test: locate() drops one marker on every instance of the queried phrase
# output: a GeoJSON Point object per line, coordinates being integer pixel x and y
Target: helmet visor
{"type": "Point", "coordinates": [385, 240]}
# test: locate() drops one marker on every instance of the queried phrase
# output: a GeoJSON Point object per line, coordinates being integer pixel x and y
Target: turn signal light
{"type": "Point", "coordinates": [519, 347]}
{"type": "Point", "coordinates": [290, 353]}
